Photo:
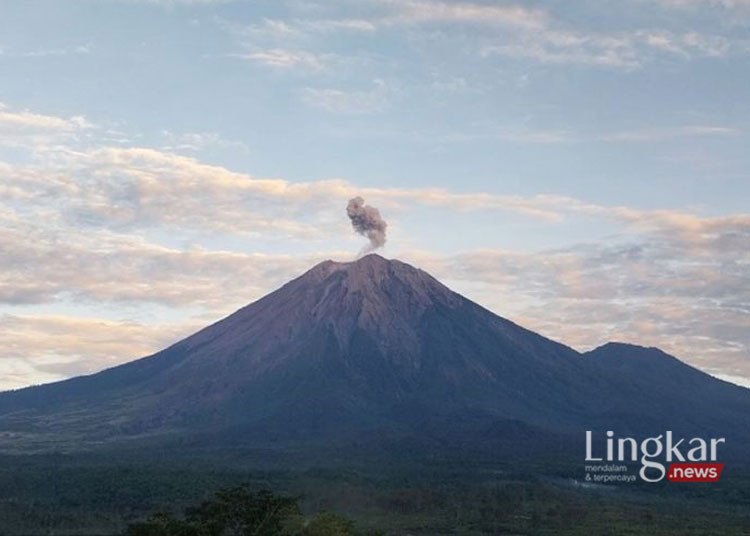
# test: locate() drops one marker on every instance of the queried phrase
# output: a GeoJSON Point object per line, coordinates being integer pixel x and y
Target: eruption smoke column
{"type": "Point", "coordinates": [366, 221]}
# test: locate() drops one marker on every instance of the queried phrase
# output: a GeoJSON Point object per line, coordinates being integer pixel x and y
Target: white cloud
{"type": "Point", "coordinates": [331, 25]}
{"type": "Point", "coordinates": [419, 12]}
{"type": "Point", "coordinates": [666, 133]}
{"type": "Point", "coordinates": [35, 132]}
{"type": "Point", "coordinates": [728, 4]}
{"type": "Point", "coordinates": [132, 188]}
{"type": "Point", "coordinates": [288, 45]}
{"type": "Point", "coordinates": [286, 59]}
{"type": "Point", "coordinates": [521, 32]}
{"type": "Point", "coordinates": [394, 13]}
{"type": "Point", "coordinates": [21, 122]}
{"type": "Point", "coordinates": [138, 188]}
{"type": "Point", "coordinates": [341, 101]}
{"type": "Point", "coordinates": [267, 30]}
{"type": "Point", "coordinates": [40, 349]}
{"type": "Point", "coordinates": [195, 142]}
{"type": "Point", "coordinates": [61, 51]}
{"type": "Point", "coordinates": [625, 50]}
{"type": "Point", "coordinates": [536, 136]}
{"type": "Point", "coordinates": [42, 264]}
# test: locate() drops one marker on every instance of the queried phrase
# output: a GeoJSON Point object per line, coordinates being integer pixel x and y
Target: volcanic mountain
{"type": "Point", "coordinates": [370, 349]}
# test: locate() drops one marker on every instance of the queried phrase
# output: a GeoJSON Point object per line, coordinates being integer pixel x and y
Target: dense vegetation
{"type": "Point", "coordinates": [64, 496]}
{"type": "Point", "coordinates": [238, 511]}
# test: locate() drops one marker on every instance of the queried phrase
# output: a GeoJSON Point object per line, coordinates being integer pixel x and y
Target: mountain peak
{"type": "Point", "coordinates": [376, 291]}
{"type": "Point", "coordinates": [371, 260]}
{"type": "Point", "coordinates": [624, 350]}
{"type": "Point", "coordinates": [372, 273]}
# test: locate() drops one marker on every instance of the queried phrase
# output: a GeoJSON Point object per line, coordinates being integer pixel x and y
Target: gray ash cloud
{"type": "Point", "coordinates": [366, 221]}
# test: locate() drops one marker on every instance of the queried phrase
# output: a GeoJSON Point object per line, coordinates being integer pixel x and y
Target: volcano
{"type": "Point", "coordinates": [372, 349]}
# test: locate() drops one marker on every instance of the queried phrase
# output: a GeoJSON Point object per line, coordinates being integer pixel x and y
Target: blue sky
{"type": "Point", "coordinates": [579, 167]}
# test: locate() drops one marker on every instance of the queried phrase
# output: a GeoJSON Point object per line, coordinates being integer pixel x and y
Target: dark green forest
{"type": "Point", "coordinates": [63, 495]}
{"type": "Point", "coordinates": [238, 511]}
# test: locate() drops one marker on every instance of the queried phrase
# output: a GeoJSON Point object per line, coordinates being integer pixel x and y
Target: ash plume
{"type": "Point", "coordinates": [366, 221]}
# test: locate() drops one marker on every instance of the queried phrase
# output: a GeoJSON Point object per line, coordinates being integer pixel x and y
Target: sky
{"type": "Point", "coordinates": [580, 167]}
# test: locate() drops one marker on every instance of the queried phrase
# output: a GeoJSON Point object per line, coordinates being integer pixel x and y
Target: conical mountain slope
{"type": "Point", "coordinates": [345, 350]}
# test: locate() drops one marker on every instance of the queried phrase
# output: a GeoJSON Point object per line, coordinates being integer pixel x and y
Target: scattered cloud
{"type": "Point", "coordinates": [130, 189]}
{"type": "Point", "coordinates": [195, 142]}
{"type": "Point", "coordinates": [62, 51]}
{"type": "Point", "coordinates": [727, 4]}
{"type": "Point", "coordinates": [74, 50]}
{"type": "Point", "coordinates": [682, 283]}
{"type": "Point", "coordinates": [333, 25]}
{"type": "Point", "coordinates": [395, 13]}
{"type": "Point", "coordinates": [34, 131]}
{"type": "Point", "coordinates": [666, 133]}
{"type": "Point", "coordinates": [287, 46]}
{"type": "Point", "coordinates": [47, 348]}
{"type": "Point", "coordinates": [420, 12]}
{"type": "Point", "coordinates": [687, 44]}
{"type": "Point", "coordinates": [41, 266]}
{"type": "Point", "coordinates": [136, 188]}
{"type": "Point", "coordinates": [264, 31]}
{"type": "Point", "coordinates": [529, 135]}
{"type": "Point", "coordinates": [285, 59]}
{"type": "Point", "coordinates": [626, 50]}
{"type": "Point", "coordinates": [521, 32]}
{"type": "Point", "coordinates": [20, 122]}
{"type": "Point", "coordinates": [341, 101]}
{"type": "Point", "coordinates": [308, 42]}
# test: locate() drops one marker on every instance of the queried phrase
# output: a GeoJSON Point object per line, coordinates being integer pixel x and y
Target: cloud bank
{"type": "Point", "coordinates": [86, 226]}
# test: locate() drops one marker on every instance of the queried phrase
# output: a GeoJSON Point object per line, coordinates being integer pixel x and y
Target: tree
{"type": "Point", "coordinates": [328, 524]}
{"type": "Point", "coordinates": [239, 512]}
